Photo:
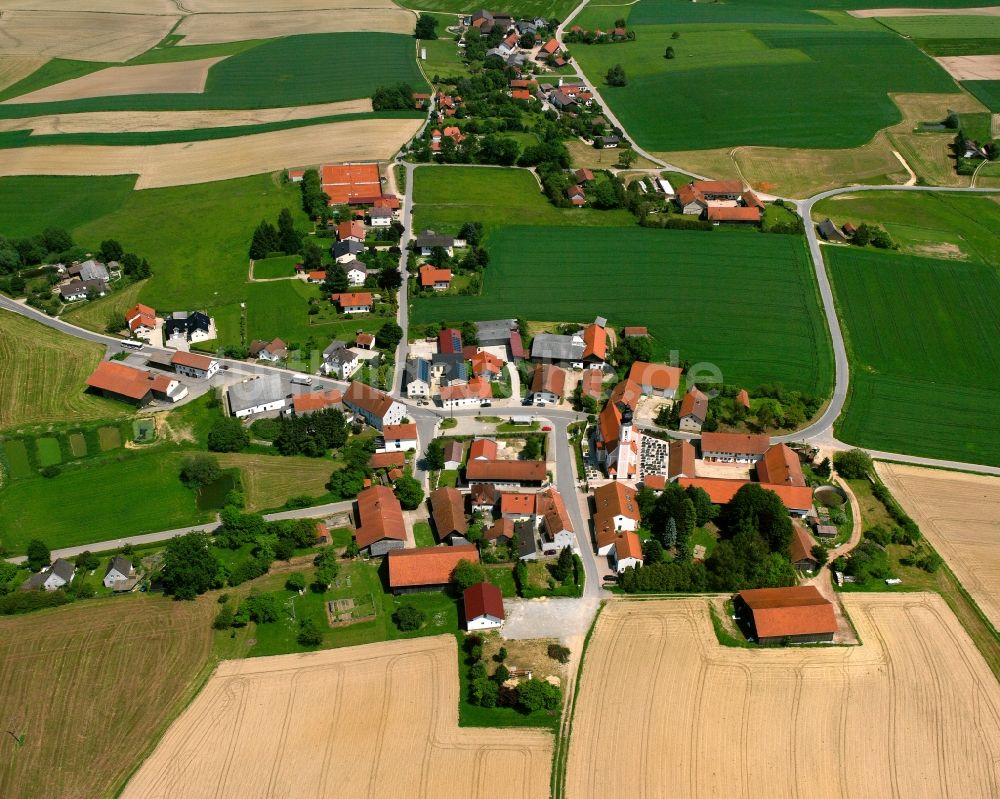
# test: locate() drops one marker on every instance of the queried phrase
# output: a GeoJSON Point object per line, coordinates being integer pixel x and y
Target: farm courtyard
{"type": "Point", "coordinates": [914, 711]}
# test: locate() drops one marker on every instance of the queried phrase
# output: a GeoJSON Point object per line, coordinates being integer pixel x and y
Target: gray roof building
{"type": "Point", "coordinates": [418, 369]}
{"type": "Point", "coordinates": [556, 348]}
{"type": "Point", "coordinates": [262, 390]}
{"type": "Point", "coordinates": [335, 345]}
{"type": "Point", "coordinates": [431, 239]}
{"type": "Point", "coordinates": [90, 270]}
{"type": "Point", "coordinates": [342, 248]}
{"type": "Point", "coordinates": [495, 331]}
{"type": "Point", "coordinates": [524, 534]}
{"type": "Point", "coordinates": [452, 365]}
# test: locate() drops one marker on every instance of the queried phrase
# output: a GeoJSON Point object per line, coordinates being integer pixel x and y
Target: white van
{"type": "Point", "coordinates": [301, 380]}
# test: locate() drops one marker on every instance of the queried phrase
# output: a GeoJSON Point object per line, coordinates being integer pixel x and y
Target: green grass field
{"type": "Point", "coordinates": [704, 294]}
{"type": "Point", "coordinates": [986, 91]}
{"type": "Point", "coordinates": [663, 12]}
{"type": "Point", "coordinates": [750, 81]}
{"type": "Point", "coordinates": [30, 204]}
{"type": "Point", "coordinates": [98, 502]}
{"type": "Point", "coordinates": [196, 237]}
{"type": "Point", "coordinates": [959, 46]}
{"type": "Point", "coordinates": [43, 376]}
{"type": "Point", "coordinates": [448, 196]}
{"type": "Point", "coordinates": [924, 342]}
{"type": "Point", "coordinates": [926, 224]}
{"type": "Point", "coordinates": [443, 59]}
{"type": "Point", "coordinates": [283, 266]}
{"type": "Point", "coordinates": [279, 72]}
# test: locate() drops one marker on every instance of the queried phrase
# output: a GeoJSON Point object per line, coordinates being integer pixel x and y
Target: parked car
{"type": "Point", "coordinates": [547, 428]}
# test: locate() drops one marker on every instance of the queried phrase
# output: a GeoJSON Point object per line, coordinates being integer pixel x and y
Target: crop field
{"type": "Point", "coordinates": [922, 223]}
{"type": "Point", "coordinates": [689, 287]}
{"type": "Point", "coordinates": [84, 35]}
{"type": "Point", "coordinates": [914, 711]}
{"type": "Point", "coordinates": [309, 720]}
{"type": "Point", "coordinates": [202, 29]}
{"type": "Point", "coordinates": [44, 374]}
{"type": "Point", "coordinates": [139, 493]}
{"type": "Point", "coordinates": [182, 162]}
{"type": "Point", "coordinates": [799, 172]}
{"type": "Point", "coordinates": [14, 68]}
{"type": "Point", "coordinates": [986, 91]}
{"type": "Point", "coordinates": [446, 197]}
{"type": "Point", "coordinates": [957, 514]}
{"type": "Point", "coordinates": [944, 26]}
{"type": "Point", "coordinates": [923, 338]}
{"type": "Point", "coordinates": [547, 9]}
{"type": "Point", "coordinates": [269, 481]}
{"type": "Point", "coordinates": [91, 687]}
{"type": "Point", "coordinates": [279, 72]}
{"type": "Point", "coordinates": [147, 122]}
{"type": "Point", "coordinates": [752, 82]}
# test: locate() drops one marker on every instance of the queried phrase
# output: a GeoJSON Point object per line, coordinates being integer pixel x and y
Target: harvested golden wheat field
{"type": "Point", "coordinates": [141, 121]}
{"type": "Point", "coordinates": [43, 376]}
{"type": "Point", "coordinates": [246, 6]}
{"type": "Point", "coordinates": [217, 159]}
{"type": "Point", "coordinates": [185, 77]}
{"type": "Point", "coordinates": [15, 67]}
{"type": "Point", "coordinates": [81, 35]}
{"type": "Point", "coordinates": [209, 28]}
{"type": "Point", "coordinates": [168, 7]}
{"type": "Point", "coordinates": [379, 720]}
{"type": "Point", "coordinates": [665, 711]}
{"type": "Point", "coordinates": [960, 515]}
{"type": "Point", "coordinates": [91, 686]}
{"type": "Point", "coordinates": [971, 67]}
{"type": "Point", "coordinates": [985, 11]}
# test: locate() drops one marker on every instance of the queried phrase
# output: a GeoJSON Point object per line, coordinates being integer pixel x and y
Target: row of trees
{"type": "Point", "coordinates": [315, 201]}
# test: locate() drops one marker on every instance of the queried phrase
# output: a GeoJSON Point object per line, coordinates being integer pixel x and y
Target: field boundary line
{"type": "Point", "coordinates": [192, 692]}
{"type": "Point", "coordinates": [560, 752]}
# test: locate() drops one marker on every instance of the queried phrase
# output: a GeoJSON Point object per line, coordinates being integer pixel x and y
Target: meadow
{"type": "Point", "coordinates": [923, 338]}
{"type": "Point", "coordinates": [131, 494]}
{"type": "Point", "coordinates": [269, 481]}
{"type": "Point", "coordinates": [924, 223]}
{"type": "Point", "coordinates": [31, 203]}
{"type": "Point", "coordinates": [92, 686]}
{"type": "Point", "coordinates": [446, 197]}
{"type": "Point", "coordinates": [279, 72]}
{"type": "Point", "coordinates": [944, 26]}
{"type": "Point", "coordinates": [750, 83]}
{"type": "Point", "coordinates": [44, 376]}
{"type": "Point", "coordinates": [703, 294]}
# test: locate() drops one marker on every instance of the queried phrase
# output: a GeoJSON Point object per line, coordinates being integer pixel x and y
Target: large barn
{"type": "Point", "coordinates": [799, 614]}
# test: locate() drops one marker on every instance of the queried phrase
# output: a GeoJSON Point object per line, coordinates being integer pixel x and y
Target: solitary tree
{"type": "Point", "coordinates": [289, 239]}
{"type": "Point", "coordinates": [426, 27]}
{"type": "Point", "coordinates": [467, 573]}
{"type": "Point", "coordinates": [190, 567]}
{"type": "Point", "coordinates": [668, 53]}
{"type": "Point", "coordinates": [408, 618]}
{"type": "Point", "coordinates": [200, 470]}
{"type": "Point", "coordinates": [409, 492]}
{"type": "Point", "coordinates": [616, 76]}
{"type": "Point", "coordinates": [627, 157]}
{"type": "Point", "coordinates": [309, 633]}
{"type": "Point", "coordinates": [434, 457]}
{"type": "Point", "coordinates": [38, 555]}
{"type": "Point", "coordinates": [111, 250]}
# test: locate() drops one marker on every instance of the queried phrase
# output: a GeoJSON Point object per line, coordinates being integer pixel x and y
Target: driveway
{"type": "Point", "coordinates": [565, 619]}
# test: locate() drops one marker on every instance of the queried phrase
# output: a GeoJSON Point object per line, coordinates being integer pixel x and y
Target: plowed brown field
{"type": "Point", "coordinates": [960, 515]}
{"type": "Point", "coordinates": [379, 720]}
{"type": "Point", "coordinates": [664, 710]}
